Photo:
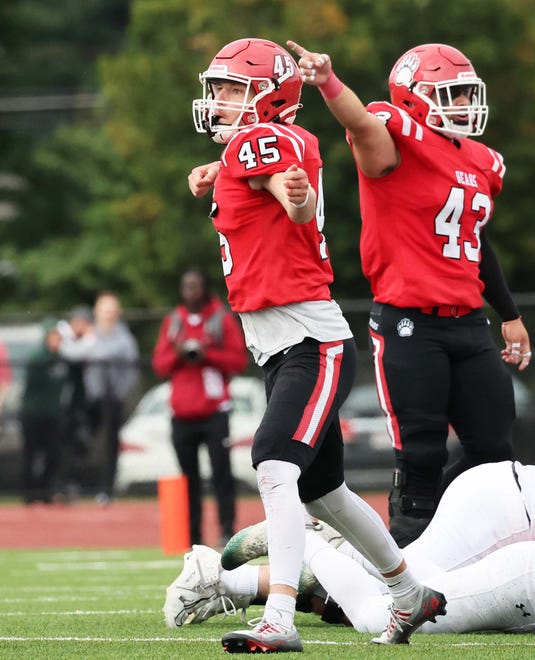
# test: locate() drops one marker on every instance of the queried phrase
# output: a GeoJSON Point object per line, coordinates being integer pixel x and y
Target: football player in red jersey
{"type": "Point", "coordinates": [426, 194]}
{"type": "Point", "coordinates": [268, 211]}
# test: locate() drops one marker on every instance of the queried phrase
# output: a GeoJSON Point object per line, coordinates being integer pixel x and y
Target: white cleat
{"type": "Point", "coordinates": [197, 594]}
{"type": "Point", "coordinates": [263, 638]}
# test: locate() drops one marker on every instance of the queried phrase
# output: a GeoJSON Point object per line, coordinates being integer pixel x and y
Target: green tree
{"type": "Point", "coordinates": [113, 196]}
{"type": "Point", "coordinates": [49, 48]}
{"type": "Point", "coordinates": [66, 244]}
{"type": "Point", "coordinates": [53, 44]}
{"type": "Point", "coordinates": [150, 85]}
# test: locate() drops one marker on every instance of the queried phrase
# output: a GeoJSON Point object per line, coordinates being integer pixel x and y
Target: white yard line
{"type": "Point", "coordinates": [307, 642]}
{"type": "Point", "coordinates": [80, 613]}
{"type": "Point", "coordinates": [107, 565]}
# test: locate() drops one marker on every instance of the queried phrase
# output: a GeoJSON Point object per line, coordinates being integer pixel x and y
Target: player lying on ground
{"type": "Point", "coordinates": [478, 550]}
{"type": "Point", "coordinates": [495, 593]}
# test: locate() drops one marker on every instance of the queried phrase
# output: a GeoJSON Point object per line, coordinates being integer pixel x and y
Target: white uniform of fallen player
{"type": "Point", "coordinates": [479, 550]}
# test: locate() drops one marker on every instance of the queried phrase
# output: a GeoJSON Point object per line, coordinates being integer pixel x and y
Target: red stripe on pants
{"type": "Point", "coordinates": [320, 402]}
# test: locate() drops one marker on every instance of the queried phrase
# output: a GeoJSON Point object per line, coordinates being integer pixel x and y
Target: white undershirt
{"type": "Point", "coordinates": [271, 330]}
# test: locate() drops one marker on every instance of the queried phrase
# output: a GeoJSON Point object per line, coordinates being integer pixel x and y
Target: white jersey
{"type": "Point", "coordinates": [478, 550]}
{"type": "Point", "coordinates": [495, 593]}
{"type": "Point", "coordinates": [526, 482]}
{"type": "Point", "coordinates": [484, 508]}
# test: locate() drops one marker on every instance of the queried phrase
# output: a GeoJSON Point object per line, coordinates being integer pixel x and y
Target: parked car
{"type": "Point", "coordinates": [146, 451]}
{"type": "Point", "coordinates": [147, 454]}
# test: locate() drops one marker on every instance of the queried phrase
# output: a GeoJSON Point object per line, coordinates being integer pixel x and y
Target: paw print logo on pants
{"type": "Point", "coordinates": [405, 327]}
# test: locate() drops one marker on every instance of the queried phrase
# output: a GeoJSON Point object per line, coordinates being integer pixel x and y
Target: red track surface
{"type": "Point", "coordinates": [122, 524]}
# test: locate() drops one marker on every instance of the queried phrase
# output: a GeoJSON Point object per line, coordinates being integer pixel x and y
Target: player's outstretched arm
{"type": "Point", "coordinates": [202, 178]}
{"type": "Point", "coordinates": [293, 190]}
{"type": "Point", "coordinates": [373, 147]}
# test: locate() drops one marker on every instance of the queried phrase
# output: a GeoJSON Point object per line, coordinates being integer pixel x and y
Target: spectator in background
{"type": "Point", "coordinates": [45, 401]}
{"type": "Point", "coordinates": [110, 354]}
{"type": "Point", "coordinates": [78, 434]}
{"type": "Point", "coordinates": [200, 345]}
{"type": "Point", "coordinates": [5, 374]}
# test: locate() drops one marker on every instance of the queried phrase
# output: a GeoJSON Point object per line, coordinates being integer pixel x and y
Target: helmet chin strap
{"type": "Point", "coordinates": [223, 135]}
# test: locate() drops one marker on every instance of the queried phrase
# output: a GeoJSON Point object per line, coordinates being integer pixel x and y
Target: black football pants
{"type": "Point", "coordinates": [213, 431]}
{"type": "Point", "coordinates": [432, 372]}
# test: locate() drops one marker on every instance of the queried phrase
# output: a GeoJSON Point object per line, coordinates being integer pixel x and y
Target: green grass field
{"type": "Point", "coordinates": [107, 604]}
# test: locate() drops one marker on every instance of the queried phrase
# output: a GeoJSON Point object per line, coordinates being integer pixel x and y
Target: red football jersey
{"type": "Point", "coordinates": [421, 223]}
{"type": "Point", "coordinates": [268, 260]}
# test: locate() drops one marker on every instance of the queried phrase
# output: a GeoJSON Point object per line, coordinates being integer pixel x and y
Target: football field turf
{"type": "Point", "coordinates": [106, 604]}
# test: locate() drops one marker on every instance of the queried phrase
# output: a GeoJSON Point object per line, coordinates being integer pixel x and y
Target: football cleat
{"type": "Point", "coordinates": [402, 624]}
{"type": "Point", "coordinates": [251, 542]}
{"type": "Point", "coordinates": [197, 594]}
{"type": "Point", "coordinates": [263, 638]}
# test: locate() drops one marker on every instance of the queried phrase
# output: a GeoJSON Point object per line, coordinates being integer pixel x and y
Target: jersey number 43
{"type": "Point", "coordinates": [448, 223]}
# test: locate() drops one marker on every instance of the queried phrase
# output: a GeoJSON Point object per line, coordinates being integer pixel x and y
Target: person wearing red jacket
{"type": "Point", "coordinates": [199, 347]}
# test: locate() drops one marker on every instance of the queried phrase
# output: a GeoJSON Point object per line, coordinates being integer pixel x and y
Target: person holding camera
{"type": "Point", "coordinates": [199, 347]}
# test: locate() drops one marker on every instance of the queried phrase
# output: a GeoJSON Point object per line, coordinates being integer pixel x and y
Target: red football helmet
{"type": "Point", "coordinates": [425, 82]}
{"type": "Point", "coordinates": [266, 69]}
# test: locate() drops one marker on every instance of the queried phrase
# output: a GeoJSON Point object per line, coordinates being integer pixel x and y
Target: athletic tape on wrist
{"type": "Point", "coordinates": [304, 202]}
{"type": "Point", "coordinates": [331, 88]}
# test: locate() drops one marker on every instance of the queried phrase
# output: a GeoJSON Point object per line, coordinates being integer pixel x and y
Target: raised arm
{"type": "Point", "coordinates": [373, 147]}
